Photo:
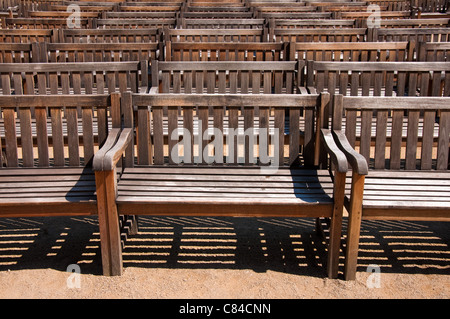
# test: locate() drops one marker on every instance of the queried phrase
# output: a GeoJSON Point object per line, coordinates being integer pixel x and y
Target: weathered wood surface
{"type": "Point", "coordinates": [405, 180]}
{"type": "Point", "coordinates": [222, 188]}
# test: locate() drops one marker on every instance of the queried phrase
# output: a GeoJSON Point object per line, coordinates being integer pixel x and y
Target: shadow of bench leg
{"type": "Point", "coordinates": [108, 223]}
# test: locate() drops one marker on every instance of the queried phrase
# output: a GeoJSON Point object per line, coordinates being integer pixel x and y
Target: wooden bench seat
{"type": "Point", "coordinates": [47, 192]}
{"type": "Point", "coordinates": [223, 187]}
{"type": "Point", "coordinates": [412, 195]}
{"type": "Point", "coordinates": [400, 180]}
{"type": "Point", "coordinates": [224, 191]}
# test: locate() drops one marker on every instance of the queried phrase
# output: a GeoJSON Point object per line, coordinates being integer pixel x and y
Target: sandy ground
{"type": "Point", "coordinates": [209, 258]}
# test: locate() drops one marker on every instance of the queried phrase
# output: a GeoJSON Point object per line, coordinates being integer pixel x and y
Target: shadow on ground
{"type": "Point", "coordinates": [288, 245]}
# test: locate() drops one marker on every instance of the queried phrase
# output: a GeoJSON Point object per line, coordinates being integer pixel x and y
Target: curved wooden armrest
{"type": "Point", "coordinates": [115, 153]}
{"type": "Point", "coordinates": [356, 160]}
{"type": "Point", "coordinates": [337, 156]}
{"type": "Point", "coordinates": [97, 164]}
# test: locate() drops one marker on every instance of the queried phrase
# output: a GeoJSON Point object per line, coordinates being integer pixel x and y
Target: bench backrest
{"type": "Point", "coordinates": [204, 114]}
{"type": "Point", "coordinates": [62, 125]}
{"type": "Point", "coordinates": [393, 5]}
{"type": "Point", "coordinates": [380, 78]}
{"type": "Point", "coordinates": [16, 53]}
{"type": "Point", "coordinates": [319, 35]}
{"type": "Point", "coordinates": [411, 34]}
{"type": "Point", "coordinates": [415, 23]}
{"type": "Point", "coordinates": [230, 23]}
{"type": "Point", "coordinates": [100, 52]}
{"type": "Point", "coordinates": [397, 132]}
{"type": "Point", "coordinates": [216, 15]}
{"type": "Point", "coordinates": [135, 23]}
{"type": "Point", "coordinates": [109, 35]}
{"type": "Point", "coordinates": [220, 51]}
{"type": "Point", "coordinates": [225, 77]}
{"type": "Point", "coordinates": [349, 51]}
{"type": "Point", "coordinates": [26, 35]}
{"type": "Point", "coordinates": [140, 15]}
{"type": "Point", "coordinates": [310, 23]}
{"type": "Point", "coordinates": [215, 35]}
{"type": "Point", "coordinates": [67, 78]}
{"type": "Point", "coordinates": [434, 52]}
{"type": "Point", "coordinates": [43, 23]}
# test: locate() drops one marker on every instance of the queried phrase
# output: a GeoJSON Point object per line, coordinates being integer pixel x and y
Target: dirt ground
{"type": "Point", "coordinates": [225, 258]}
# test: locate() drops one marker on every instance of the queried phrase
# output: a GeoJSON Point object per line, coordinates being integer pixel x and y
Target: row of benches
{"type": "Point", "coordinates": [321, 33]}
{"type": "Point", "coordinates": [91, 151]}
{"type": "Point", "coordinates": [267, 183]}
{"type": "Point", "coordinates": [145, 20]}
{"type": "Point", "coordinates": [214, 51]}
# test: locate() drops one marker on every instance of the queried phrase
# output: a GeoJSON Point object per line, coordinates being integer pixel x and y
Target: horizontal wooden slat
{"type": "Point", "coordinates": [73, 66]}
{"type": "Point", "coordinates": [407, 103]}
{"type": "Point", "coordinates": [67, 100]}
{"type": "Point", "coordinates": [228, 66]}
{"type": "Point", "coordinates": [382, 66]}
{"type": "Point", "coordinates": [229, 100]}
{"type": "Point", "coordinates": [44, 192]}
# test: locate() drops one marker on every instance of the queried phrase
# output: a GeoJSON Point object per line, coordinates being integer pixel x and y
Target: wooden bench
{"type": "Point", "coordinates": [215, 35]}
{"type": "Point", "coordinates": [44, 23]}
{"type": "Point", "coordinates": [217, 15]}
{"type": "Point", "coordinates": [380, 78]}
{"type": "Point", "coordinates": [309, 23]}
{"type": "Point", "coordinates": [411, 34]}
{"type": "Point", "coordinates": [72, 78]}
{"type": "Point", "coordinates": [393, 5]}
{"type": "Point", "coordinates": [345, 52]}
{"type": "Point", "coordinates": [362, 17]}
{"type": "Point", "coordinates": [17, 53]}
{"type": "Point", "coordinates": [26, 35]}
{"type": "Point", "coordinates": [224, 51]}
{"type": "Point", "coordinates": [134, 23]}
{"type": "Point", "coordinates": [415, 23]}
{"type": "Point", "coordinates": [319, 35]}
{"type": "Point", "coordinates": [62, 14]}
{"type": "Point", "coordinates": [192, 23]}
{"type": "Point", "coordinates": [50, 181]}
{"type": "Point", "coordinates": [228, 189]}
{"type": "Point", "coordinates": [349, 51]}
{"type": "Point", "coordinates": [432, 5]}
{"type": "Point", "coordinates": [101, 52]}
{"type": "Point", "coordinates": [296, 15]}
{"type": "Point", "coordinates": [434, 52]}
{"type": "Point", "coordinates": [224, 77]}
{"type": "Point", "coordinates": [109, 35]}
{"type": "Point", "coordinates": [395, 180]}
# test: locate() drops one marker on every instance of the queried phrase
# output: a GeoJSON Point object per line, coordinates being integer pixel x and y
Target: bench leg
{"type": "Point", "coordinates": [354, 226]}
{"type": "Point", "coordinates": [108, 223]}
{"type": "Point", "coordinates": [336, 225]}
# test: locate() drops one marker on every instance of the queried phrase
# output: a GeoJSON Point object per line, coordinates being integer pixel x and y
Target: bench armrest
{"type": "Point", "coordinates": [338, 158]}
{"type": "Point", "coordinates": [115, 153]}
{"type": "Point", "coordinates": [111, 140]}
{"type": "Point", "coordinates": [356, 160]}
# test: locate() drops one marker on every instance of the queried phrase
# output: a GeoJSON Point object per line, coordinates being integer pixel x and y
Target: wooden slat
{"type": "Point", "coordinates": [411, 139]}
